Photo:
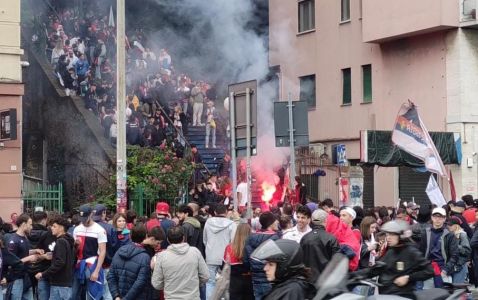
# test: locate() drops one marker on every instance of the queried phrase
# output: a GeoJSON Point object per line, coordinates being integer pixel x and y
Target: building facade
{"type": "Point", "coordinates": [356, 62]}
{"type": "Point", "coordinates": [11, 91]}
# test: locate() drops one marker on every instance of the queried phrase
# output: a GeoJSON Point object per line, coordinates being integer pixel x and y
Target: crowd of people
{"type": "Point", "coordinates": [210, 251]}
{"type": "Point", "coordinates": [161, 103]}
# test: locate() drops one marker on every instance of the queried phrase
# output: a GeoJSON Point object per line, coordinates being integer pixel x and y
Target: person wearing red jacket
{"type": "Point", "coordinates": [349, 245]}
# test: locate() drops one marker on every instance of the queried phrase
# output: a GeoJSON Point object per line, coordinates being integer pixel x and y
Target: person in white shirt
{"type": "Point", "coordinates": [302, 228]}
{"type": "Point", "coordinates": [242, 195]}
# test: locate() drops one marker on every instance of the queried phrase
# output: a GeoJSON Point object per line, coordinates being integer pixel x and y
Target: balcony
{"type": "Point", "coordinates": [386, 20]}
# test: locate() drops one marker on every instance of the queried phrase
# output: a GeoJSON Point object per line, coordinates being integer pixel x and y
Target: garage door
{"type": "Point", "coordinates": [412, 185]}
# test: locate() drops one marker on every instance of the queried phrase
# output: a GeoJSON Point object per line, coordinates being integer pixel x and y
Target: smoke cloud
{"type": "Point", "coordinates": [225, 42]}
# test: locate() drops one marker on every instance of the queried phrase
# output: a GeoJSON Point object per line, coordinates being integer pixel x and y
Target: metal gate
{"type": "Point", "coordinates": [145, 205]}
{"type": "Point", "coordinates": [37, 196]}
{"type": "Point", "coordinates": [318, 174]}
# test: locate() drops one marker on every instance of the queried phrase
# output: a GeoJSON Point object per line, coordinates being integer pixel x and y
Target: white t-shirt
{"type": "Point", "coordinates": [242, 188]}
{"type": "Point", "coordinates": [294, 234]}
{"type": "Point", "coordinates": [89, 238]}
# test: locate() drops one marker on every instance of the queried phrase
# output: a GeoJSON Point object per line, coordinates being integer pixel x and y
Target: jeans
{"type": "Point", "coordinates": [460, 276]}
{"type": "Point", "coordinates": [211, 283]}
{"type": "Point", "coordinates": [208, 131]}
{"type": "Point", "coordinates": [17, 291]}
{"type": "Point", "coordinates": [106, 292]}
{"type": "Point", "coordinates": [60, 292]}
{"type": "Point", "coordinates": [43, 289]}
{"type": "Point", "coordinates": [80, 290]}
{"type": "Point", "coordinates": [1, 293]}
{"type": "Point", "coordinates": [261, 290]}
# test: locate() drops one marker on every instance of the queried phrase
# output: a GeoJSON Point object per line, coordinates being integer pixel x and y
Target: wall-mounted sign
{"type": "Point", "coordinates": [8, 124]}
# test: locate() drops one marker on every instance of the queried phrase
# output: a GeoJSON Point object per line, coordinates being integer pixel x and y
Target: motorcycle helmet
{"type": "Point", "coordinates": [286, 253]}
{"type": "Point", "coordinates": [401, 228]}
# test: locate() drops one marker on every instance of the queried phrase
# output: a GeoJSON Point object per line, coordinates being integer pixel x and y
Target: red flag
{"type": "Point", "coordinates": [452, 188]}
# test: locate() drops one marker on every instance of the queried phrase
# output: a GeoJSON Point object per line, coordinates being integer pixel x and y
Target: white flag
{"type": "Point", "coordinates": [434, 193]}
{"type": "Point", "coordinates": [111, 21]}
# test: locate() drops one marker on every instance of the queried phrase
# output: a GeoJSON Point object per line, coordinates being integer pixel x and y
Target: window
{"type": "Point", "coordinates": [346, 86]}
{"type": "Point", "coordinates": [367, 83]}
{"type": "Point", "coordinates": [306, 15]}
{"type": "Point", "coordinates": [307, 90]}
{"type": "Point", "coordinates": [344, 10]}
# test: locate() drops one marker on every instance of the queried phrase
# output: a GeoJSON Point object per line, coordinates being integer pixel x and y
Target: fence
{"type": "Point", "coordinates": [41, 196]}
{"type": "Point", "coordinates": [144, 204]}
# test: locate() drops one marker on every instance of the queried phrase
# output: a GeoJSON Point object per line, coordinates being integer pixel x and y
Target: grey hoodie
{"type": "Point", "coordinates": [218, 233]}
{"type": "Point", "coordinates": [178, 271]}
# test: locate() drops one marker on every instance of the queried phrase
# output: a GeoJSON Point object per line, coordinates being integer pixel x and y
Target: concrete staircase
{"type": "Point", "coordinates": [211, 157]}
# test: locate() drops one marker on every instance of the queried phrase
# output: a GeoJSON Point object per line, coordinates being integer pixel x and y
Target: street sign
{"type": "Point", "coordinates": [238, 90]}
{"type": "Point", "coordinates": [300, 127]}
{"type": "Point", "coordinates": [339, 156]}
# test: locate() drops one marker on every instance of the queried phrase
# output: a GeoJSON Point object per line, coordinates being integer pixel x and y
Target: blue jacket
{"type": "Point", "coordinates": [257, 268]}
{"type": "Point", "coordinates": [130, 273]}
{"type": "Point", "coordinates": [82, 67]}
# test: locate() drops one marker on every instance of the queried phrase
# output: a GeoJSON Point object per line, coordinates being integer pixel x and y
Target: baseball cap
{"type": "Point", "coordinates": [454, 221]}
{"type": "Point", "coordinates": [413, 206]}
{"type": "Point", "coordinates": [319, 216]}
{"type": "Point", "coordinates": [439, 211]}
{"type": "Point", "coordinates": [99, 209]}
{"type": "Point", "coordinates": [162, 208]}
{"type": "Point", "coordinates": [459, 203]}
{"type": "Point", "coordinates": [85, 212]}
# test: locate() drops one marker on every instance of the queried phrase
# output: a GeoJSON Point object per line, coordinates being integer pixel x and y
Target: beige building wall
{"type": "Point", "coordinates": [11, 91]}
{"type": "Point", "coordinates": [412, 48]}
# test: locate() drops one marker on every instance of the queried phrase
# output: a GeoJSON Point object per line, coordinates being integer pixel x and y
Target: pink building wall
{"type": "Point", "coordinates": [412, 68]}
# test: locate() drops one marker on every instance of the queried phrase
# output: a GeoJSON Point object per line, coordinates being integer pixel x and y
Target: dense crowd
{"type": "Point", "coordinates": [210, 251]}
{"type": "Point", "coordinates": [161, 102]}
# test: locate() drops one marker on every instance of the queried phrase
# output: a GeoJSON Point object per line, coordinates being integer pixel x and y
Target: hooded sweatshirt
{"type": "Point", "coordinates": [60, 272]}
{"type": "Point", "coordinates": [178, 271]}
{"type": "Point", "coordinates": [218, 233]}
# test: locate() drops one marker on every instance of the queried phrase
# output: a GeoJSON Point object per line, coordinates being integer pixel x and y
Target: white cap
{"type": "Point", "coordinates": [350, 211]}
{"type": "Point", "coordinates": [440, 211]}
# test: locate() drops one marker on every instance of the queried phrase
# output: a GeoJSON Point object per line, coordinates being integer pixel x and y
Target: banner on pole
{"type": "Point", "coordinates": [411, 135]}
{"type": "Point", "coordinates": [434, 193]}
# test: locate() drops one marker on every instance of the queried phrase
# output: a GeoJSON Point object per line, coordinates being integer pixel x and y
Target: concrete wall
{"type": "Point", "coordinates": [11, 91]}
{"type": "Point", "coordinates": [77, 155]}
{"type": "Point", "coordinates": [385, 20]}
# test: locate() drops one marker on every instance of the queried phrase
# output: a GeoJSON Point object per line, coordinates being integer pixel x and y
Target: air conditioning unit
{"type": "Point", "coordinates": [317, 149]}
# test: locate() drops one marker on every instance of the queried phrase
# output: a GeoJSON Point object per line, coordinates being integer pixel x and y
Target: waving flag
{"type": "Point", "coordinates": [410, 135]}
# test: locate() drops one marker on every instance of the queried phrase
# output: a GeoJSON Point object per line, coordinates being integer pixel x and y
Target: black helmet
{"type": "Point", "coordinates": [286, 253]}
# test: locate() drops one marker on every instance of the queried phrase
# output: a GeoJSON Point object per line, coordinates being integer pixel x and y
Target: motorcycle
{"type": "Point", "coordinates": [335, 284]}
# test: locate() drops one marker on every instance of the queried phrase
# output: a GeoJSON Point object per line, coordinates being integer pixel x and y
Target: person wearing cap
{"type": "Point", "coordinates": [456, 210]}
{"type": "Point", "coordinates": [91, 240]}
{"type": "Point", "coordinates": [162, 220]}
{"type": "Point", "coordinates": [318, 245]}
{"type": "Point", "coordinates": [440, 247]}
{"type": "Point", "coordinates": [303, 215]}
{"type": "Point", "coordinates": [464, 250]}
{"type": "Point", "coordinates": [99, 217]}
{"type": "Point", "coordinates": [60, 272]}
{"type": "Point", "coordinates": [269, 224]}
{"type": "Point", "coordinates": [348, 215]}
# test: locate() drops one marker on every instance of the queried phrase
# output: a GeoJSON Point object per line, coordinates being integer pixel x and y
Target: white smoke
{"type": "Point", "coordinates": [224, 47]}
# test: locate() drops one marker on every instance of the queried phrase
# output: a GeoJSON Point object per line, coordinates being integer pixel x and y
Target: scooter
{"type": "Point", "coordinates": [335, 284]}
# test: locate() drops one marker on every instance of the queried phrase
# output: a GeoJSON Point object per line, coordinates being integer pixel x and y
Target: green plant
{"type": "Point", "coordinates": [158, 171]}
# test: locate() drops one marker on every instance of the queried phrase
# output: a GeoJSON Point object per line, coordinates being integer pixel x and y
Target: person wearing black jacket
{"type": "Point", "coordinates": [403, 264]}
{"type": "Point", "coordinates": [60, 272]}
{"type": "Point", "coordinates": [41, 238]}
{"type": "Point", "coordinates": [318, 246]}
{"type": "Point", "coordinates": [456, 210]}
{"type": "Point", "coordinates": [285, 270]}
{"type": "Point", "coordinates": [191, 227]}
